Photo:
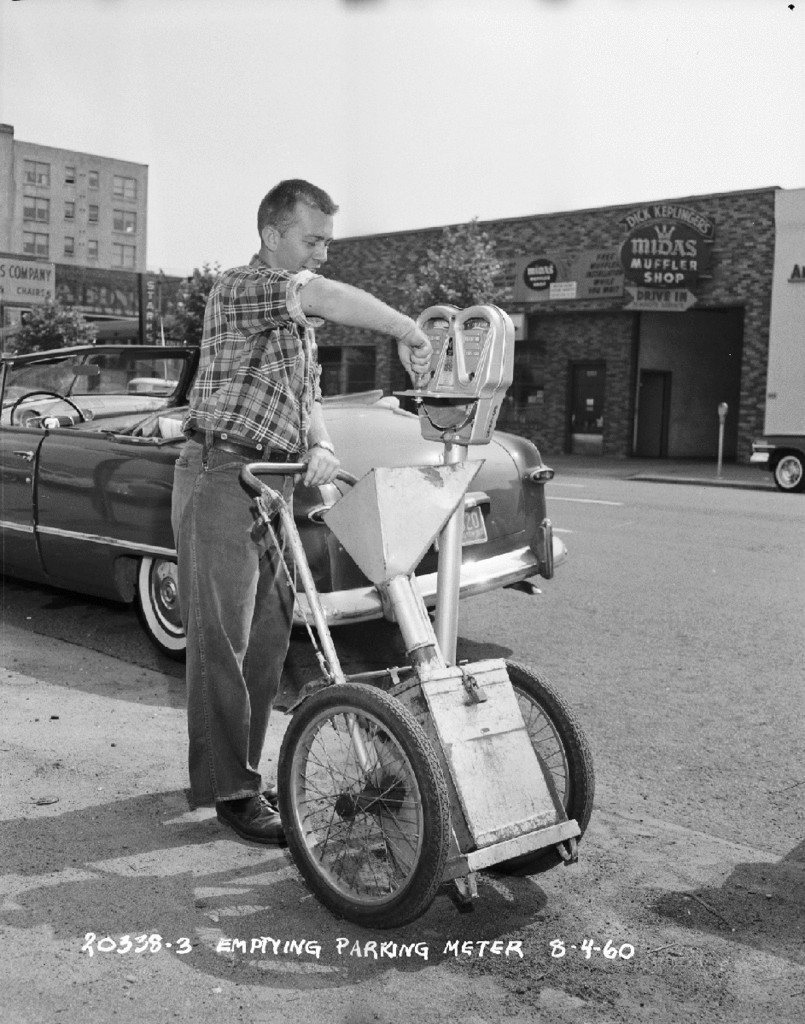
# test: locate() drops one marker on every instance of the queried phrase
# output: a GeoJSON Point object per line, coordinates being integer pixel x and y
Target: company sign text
{"type": "Point", "coordinates": [26, 282]}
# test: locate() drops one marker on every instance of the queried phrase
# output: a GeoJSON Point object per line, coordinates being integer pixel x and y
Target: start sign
{"type": "Point", "coordinates": [667, 247]}
{"type": "Point", "coordinates": [26, 282]}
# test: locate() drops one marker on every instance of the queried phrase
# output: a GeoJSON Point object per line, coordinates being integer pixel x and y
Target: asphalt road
{"type": "Point", "coordinates": [674, 630]}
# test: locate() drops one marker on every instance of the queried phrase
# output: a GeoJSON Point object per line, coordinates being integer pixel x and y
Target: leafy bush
{"type": "Point", "coordinates": [51, 325]}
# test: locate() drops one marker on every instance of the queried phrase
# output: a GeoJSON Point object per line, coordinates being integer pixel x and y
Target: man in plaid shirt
{"type": "Point", "coordinates": [256, 399]}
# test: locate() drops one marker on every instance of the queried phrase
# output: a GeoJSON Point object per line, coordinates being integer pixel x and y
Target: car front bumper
{"type": "Point", "coordinates": [361, 604]}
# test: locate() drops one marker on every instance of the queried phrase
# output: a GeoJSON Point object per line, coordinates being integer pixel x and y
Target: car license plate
{"type": "Point", "coordinates": [474, 528]}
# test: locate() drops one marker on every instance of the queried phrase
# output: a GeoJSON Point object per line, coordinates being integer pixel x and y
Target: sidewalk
{"type": "Point", "coordinates": [702, 472]}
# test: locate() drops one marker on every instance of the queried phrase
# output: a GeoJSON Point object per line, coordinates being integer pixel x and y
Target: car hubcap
{"type": "Point", "coordinates": [789, 472]}
{"type": "Point", "coordinates": [166, 597]}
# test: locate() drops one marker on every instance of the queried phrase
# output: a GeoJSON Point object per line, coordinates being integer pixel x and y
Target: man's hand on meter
{"type": "Point", "coordinates": [322, 466]}
{"type": "Point", "coordinates": [415, 352]}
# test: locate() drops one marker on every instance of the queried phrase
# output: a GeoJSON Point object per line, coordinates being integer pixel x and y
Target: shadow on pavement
{"type": "Point", "coordinates": [146, 866]}
{"type": "Point", "coordinates": [760, 904]}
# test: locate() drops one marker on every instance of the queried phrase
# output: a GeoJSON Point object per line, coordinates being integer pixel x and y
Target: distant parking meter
{"type": "Point", "coordinates": [471, 368]}
{"type": "Point", "coordinates": [723, 408]}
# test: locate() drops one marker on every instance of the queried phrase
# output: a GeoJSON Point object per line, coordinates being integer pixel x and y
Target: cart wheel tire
{"type": "Point", "coordinates": [562, 750]}
{"type": "Point", "coordinates": [158, 606]}
{"type": "Point", "coordinates": [789, 472]}
{"type": "Point", "coordinates": [371, 843]}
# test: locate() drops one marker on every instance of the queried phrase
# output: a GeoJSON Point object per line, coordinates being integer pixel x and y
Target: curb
{"type": "Point", "coordinates": [701, 481]}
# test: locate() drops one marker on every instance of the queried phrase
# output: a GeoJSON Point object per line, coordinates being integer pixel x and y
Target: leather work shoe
{"type": "Point", "coordinates": [253, 818]}
{"type": "Point", "coordinates": [271, 795]}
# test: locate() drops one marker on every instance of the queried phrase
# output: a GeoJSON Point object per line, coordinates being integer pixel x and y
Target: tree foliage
{"type": "Point", "coordinates": [463, 271]}
{"type": "Point", "coordinates": [186, 320]}
{"type": "Point", "coordinates": [51, 325]}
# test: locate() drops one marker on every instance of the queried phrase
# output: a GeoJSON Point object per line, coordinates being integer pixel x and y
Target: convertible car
{"type": "Point", "coordinates": [89, 436]}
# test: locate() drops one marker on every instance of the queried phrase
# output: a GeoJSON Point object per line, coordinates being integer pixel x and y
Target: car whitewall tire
{"type": "Point", "coordinates": [789, 472]}
{"type": "Point", "coordinates": [158, 606]}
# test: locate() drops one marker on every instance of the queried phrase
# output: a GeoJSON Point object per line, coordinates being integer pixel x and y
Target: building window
{"type": "Point", "coordinates": [36, 173]}
{"type": "Point", "coordinates": [524, 403]}
{"type": "Point", "coordinates": [93, 214]}
{"type": "Point", "coordinates": [124, 188]}
{"type": "Point", "coordinates": [34, 244]}
{"type": "Point", "coordinates": [69, 246]}
{"type": "Point", "coordinates": [69, 210]}
{"type": "Point", "coordinates": [94, 179]}
{"type": "Point", "coordinates": [348, 369]}
{"type": "Point", "coordinates": [92, 248]}
{"type": "Point", "coordinates": [124, 255]}
{"type": "Point", "coordinates": [69, 175]}
{"type": "Point", "coordinates": [124, 220]}
{"type": "Point", "coordinates": [36, 209]}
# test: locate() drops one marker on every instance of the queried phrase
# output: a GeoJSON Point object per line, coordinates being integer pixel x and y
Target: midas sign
{"type": "Point", "coordinates": [26, 282]}
{"type": "Point", "coordinates": [667, 246]}
{"type": "Point", "coordinates": [663, 253]}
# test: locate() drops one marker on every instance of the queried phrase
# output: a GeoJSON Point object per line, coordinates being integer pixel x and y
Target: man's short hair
{"type": "Point", "coordinates": [278, 206]}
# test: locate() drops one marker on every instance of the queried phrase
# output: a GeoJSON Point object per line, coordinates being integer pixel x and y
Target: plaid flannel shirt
{"type": "Point", "coordinates": [258, 376]}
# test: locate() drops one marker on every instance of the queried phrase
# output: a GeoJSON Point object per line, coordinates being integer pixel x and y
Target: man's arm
{"type": "Point", "coordinates": [322, 464]}
{"type": "Point", "coordinates": [353, 307]}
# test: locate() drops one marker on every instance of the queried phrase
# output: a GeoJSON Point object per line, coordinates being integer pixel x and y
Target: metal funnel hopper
{"type": "Point", "coordinates": [389, 519]}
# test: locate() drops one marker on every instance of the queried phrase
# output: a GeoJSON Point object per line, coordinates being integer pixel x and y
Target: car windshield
{"type": "Point", "coordinates": [97, 374]}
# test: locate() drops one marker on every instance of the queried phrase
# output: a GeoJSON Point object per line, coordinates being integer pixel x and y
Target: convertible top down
{"type": "Point", "coordinates": [88, 439]}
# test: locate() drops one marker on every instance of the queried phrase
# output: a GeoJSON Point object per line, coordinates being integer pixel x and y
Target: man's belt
{"type": "Point", "coordinates": [245, 451]}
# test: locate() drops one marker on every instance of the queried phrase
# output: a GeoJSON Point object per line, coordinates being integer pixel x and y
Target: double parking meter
{"type": "Point", "coordinates": [458, 403]}
{"type": "Point", "coordinates": [471, 368]}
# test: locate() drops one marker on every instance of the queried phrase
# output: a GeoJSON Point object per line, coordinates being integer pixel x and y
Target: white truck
{"type": "Point", "coordinates": [781, 450]}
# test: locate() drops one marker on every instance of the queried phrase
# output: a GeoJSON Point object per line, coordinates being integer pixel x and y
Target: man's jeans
{"type": "Point", "coordinates": [237, 611]}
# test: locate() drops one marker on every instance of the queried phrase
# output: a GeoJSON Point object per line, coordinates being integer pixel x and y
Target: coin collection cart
{"type": "Point", "coordinates": [395, 781]}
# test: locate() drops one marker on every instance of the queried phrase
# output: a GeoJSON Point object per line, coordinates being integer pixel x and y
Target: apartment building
{"type": "Point", "coordinates": [74, 209]}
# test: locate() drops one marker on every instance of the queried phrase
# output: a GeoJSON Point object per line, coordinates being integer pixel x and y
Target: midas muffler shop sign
{"type": "Point", "coordinates": [668, 246]}
{"type": "Point", "coordinates": [26, 282]}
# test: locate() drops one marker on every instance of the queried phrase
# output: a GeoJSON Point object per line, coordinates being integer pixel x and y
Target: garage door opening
{"type": "Point", "coordinates": [701, 351]}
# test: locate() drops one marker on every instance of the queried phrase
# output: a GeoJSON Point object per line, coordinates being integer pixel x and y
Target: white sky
{"type": "Point", "coordinates": [410, 113]}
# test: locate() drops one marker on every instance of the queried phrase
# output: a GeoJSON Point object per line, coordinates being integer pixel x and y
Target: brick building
{"type": "Point", "coordinates": [634, 322]}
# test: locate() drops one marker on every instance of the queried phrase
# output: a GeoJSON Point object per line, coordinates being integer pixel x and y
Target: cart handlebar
{"type": "Point", "coordinates": [252, 470]}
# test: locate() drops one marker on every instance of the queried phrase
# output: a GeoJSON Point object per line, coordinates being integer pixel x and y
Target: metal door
{"type": "Point", "coordinates": [18, 453]}
{"type": "Point", "coordinates": [653, 407]}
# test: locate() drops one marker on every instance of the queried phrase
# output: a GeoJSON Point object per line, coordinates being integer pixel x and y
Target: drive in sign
{"type": "Point", "coordinates": [26, 282]}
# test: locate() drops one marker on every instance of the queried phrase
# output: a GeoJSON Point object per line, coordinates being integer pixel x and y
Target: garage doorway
{"type": "Point", "coordinates": [703, 350]}
{"type": "Point", "coordinates": [653, 412]}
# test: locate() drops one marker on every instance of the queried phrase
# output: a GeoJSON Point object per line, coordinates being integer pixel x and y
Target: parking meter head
{"type": "Point", "coordinates": [471, 369]}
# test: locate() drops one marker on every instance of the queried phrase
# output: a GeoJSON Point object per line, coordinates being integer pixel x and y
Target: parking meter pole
{"type": "Point", "coordinates": [722, 416]}
{"type": "Point", "coordinates": [449, 567]}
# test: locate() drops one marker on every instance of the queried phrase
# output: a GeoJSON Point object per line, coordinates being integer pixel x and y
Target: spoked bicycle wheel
{"type": "Point", "coordinates": [364, 804]}
{"type": "Point", "coordinates": [561, 749]}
